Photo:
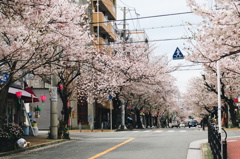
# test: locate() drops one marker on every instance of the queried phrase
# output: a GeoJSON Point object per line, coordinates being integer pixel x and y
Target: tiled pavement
{"type": "Point", "coordinates": [233, 148]}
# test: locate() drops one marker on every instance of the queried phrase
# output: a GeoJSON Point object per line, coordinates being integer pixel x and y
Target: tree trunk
{"type": "Point", "coordinates": [66, 110]}
{"type": "Point", "coordinates": [227, 117]}
{"type": "Point", "coordinates": [139, 123]}
{"type": "Point", "coordinates": [232, 112]}
{"type": "Point", "coordinates": [3, 105]}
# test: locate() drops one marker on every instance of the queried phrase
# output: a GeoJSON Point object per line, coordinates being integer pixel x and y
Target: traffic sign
{"type": "Point", "coordinates": [178, 54]}
{"type": "Point", "coordinates": [4, 77]}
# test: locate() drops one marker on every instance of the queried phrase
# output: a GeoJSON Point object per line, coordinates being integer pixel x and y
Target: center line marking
{"type": "Point", "coordinates": [108, 150]}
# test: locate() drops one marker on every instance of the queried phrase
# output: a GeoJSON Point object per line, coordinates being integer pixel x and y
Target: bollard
{"type": "Point", "coordinates": [91, 127]}
{"type": "Point", "coordinates": [102, 127]}
{"type": "Point", "coordinates": [80, 127]}
{"type": "Point", "coordinates": [224, 144]}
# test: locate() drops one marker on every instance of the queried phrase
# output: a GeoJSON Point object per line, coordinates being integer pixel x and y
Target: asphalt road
{"type": "Point", "coordinates": [170, 143]}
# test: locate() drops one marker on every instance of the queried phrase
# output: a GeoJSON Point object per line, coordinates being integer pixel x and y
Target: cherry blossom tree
{"type": "Point", "coordinates": [36, 34]}
{"type": "Point", "coordinates": [204, 92]}
{"type": "Point", "coordinates": [78, 50]}
{"type": "Point", "coordinates": [130, 73]}
{"type": "Point", "coordinates": [216, 39]}
{"type": "Point", "coordinates": [200, 97]}
{"type": "Point", "coordinates": [217, 35]}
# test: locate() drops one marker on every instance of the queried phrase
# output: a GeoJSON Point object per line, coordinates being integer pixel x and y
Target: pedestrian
{"type": "Point", "coordinates": [213, 112]}
{"type": "Point", "coordinates": [204, 122]}
{"type": "Point", "coordinates": [224, 118]}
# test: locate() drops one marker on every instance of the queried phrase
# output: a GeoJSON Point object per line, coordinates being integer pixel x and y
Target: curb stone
{"type": "Point", "coordinates": [194, 150]}
{"type": "Point", "coordinates": [3, 154]}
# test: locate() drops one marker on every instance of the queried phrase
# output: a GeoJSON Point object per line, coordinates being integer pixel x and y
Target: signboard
{"type": "Point", "coordinates": [178, 54]}
{"type": "Point", "coordinates": [4, 77]}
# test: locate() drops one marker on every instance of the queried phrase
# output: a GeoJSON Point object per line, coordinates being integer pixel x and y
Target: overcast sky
{"type": "Point", "coordinates": [164, 27]}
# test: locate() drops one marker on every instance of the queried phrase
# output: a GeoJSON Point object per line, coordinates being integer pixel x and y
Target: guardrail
{"type": "Point", "coordinates": [217, 145]}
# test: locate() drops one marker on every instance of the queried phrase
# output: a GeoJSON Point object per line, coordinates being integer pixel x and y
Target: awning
{"type": "Point", "coordinates": [25, 94]}
{"type": "Point", "coordinates": [29, 90]}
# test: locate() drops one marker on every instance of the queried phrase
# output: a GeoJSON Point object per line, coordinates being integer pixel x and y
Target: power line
{"type": "Point", "coordinates": [160, 27]}
{"type": "Point", "coordinates": [189, 69]}
{"type": "Point", "coordinates": [145, 41]}
{"type": "Point", "coordinates": [154, 16]}
{"type": "Point", "coordinates": [193, 65]}
{"type": "Point", "coordinates": [126, 4]}
{"type": "Point", "coordinates": [169, 26]}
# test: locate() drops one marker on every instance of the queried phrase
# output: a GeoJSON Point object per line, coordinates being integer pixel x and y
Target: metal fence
{"type": "Point", "coordinates": [217, 145]}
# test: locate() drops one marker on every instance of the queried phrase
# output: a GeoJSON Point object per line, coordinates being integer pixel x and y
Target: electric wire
{"type": "Point", "coordinates": [137, 15]}
{"type": "Point", "coordinates": [134, 24]}
{"type": "Point", "coordinates": [160, 27]}
{"type": "Point", "coordinates": [157, 40]}
{"type": "Point", "coordinates": [189, 69]}
{"type": "Point", "coordinates": [125, 4]}
{"type": "Point", "coordinates": [154, 16]}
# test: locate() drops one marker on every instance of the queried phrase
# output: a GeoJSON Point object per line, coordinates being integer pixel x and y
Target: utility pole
{"type": "Point", "coordinates": [124, 24]}
{"type": "Point", "coordinates": [219, 98]}
{"type": "Point", "coordinates": [123, 126]}
{"type": "Point", "coordinates": [53, 108]}
{"type": "Point", "coordinates": [98, 38]}
{"type": "Point", "coordinates": [111, 107]}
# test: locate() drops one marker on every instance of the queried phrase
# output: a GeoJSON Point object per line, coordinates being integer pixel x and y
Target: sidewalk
{"type": "Point", "coordinates": [233, 148]}
{"type": "Point", "coordinates": [34, 142]}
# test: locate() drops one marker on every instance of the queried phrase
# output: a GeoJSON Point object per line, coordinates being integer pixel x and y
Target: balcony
{"type": "Point", "coordinates": [103, 45]}
{"type": "Point", "coordinates": [104, 28]}
{"type": "Point", "coordinates": [108, 6]}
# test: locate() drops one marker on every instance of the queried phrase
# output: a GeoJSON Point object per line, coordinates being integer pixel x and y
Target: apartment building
{"type": "Point", "coordinates": [102, 14]}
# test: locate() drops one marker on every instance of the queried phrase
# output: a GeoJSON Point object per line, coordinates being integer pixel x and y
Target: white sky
{"type": "Point", "coordinates": [161, 7]}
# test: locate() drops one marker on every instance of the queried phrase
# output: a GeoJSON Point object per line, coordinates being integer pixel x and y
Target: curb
{"type": "Point", "coordinates": [194, 150]}
{"type": "Point", "coordinates": [94, 130]}
{"type": "Point", "coordinates": [2, 154]}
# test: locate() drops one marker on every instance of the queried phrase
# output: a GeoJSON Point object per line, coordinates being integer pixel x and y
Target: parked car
{"type": "Point", "coordinates": [192, 123]}
{"type": "Point", "coordinates": [182, 124]}
{"type": "Point", "coordinates": [175, 124]}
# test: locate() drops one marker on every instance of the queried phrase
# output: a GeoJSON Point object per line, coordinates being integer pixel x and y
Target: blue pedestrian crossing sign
{"type": "Point", "coordinates": [178, 54]}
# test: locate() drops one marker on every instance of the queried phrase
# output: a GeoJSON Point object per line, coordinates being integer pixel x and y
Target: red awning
{"type": "Point", "coordinates": [33, 96]}
{"type": "Point", "coordinates": [25, 94]}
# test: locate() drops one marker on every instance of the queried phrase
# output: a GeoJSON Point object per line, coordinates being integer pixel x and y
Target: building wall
{"type": "Point", "coordinates": [74, 119]}
{"type": "Point", "coordinates": [44, 120]}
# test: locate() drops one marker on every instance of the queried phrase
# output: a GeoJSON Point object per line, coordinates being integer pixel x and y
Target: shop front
{"type": "Point", "coordinates": [18, 108]}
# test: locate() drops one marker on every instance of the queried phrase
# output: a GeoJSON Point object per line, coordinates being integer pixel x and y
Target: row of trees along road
{"type": "Point", "coordinates": [53, 37]}
{"type": "Point", "coordinates": [216, 39]}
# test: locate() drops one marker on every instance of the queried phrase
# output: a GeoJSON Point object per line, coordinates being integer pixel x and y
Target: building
{"type": "Point", "coordinates": [101, 12]}
{"type": "Point", "coordinates": [103, 29]}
